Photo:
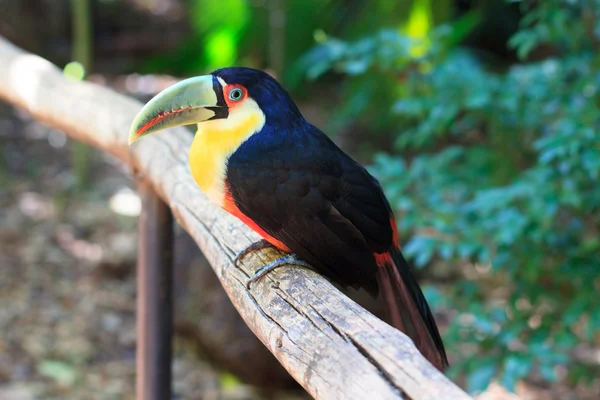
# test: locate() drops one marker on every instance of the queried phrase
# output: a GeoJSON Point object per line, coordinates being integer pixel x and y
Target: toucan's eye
{"type": "Point", "coordinates": [236, 94]}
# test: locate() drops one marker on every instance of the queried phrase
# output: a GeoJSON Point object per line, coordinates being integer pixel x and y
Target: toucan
{"type": "Point", "coordinates": [256, 156]}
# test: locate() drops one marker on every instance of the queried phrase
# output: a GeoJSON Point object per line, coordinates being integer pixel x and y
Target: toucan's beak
{"type": "Point", "coordinates": [187, 102]}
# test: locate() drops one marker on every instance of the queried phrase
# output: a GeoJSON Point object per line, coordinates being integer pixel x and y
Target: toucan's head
{"type": "Point", "coordinates": [226, 94]}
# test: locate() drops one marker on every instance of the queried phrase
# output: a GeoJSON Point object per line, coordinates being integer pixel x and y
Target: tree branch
{"type": "Point", "coordinates": [334, 348]}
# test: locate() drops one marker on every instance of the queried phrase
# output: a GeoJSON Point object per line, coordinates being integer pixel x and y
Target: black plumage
{"type": "Point", "coordinates": [293, 182]}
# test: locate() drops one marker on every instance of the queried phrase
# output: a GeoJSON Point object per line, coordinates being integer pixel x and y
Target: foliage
{"type": "Point", "coordinates": [241, 32]}
{"type": "Point", "coordinates": [496, 170]}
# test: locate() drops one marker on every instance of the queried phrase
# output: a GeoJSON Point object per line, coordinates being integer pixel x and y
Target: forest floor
{"type": "Point", "coordinates": [67, 282]}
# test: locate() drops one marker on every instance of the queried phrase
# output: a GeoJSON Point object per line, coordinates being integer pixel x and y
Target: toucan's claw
{"type": "Point", "coordinates": [256, 246]}
{"type": "Point", "coordinates": [290, 259]}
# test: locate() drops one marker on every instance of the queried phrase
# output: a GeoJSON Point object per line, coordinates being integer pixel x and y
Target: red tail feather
{"type": "Point", "coordinates": [407, 308]}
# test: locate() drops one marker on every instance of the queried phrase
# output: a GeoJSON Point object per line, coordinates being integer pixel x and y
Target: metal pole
{"type": "Point", "coordinates": [154, 297]}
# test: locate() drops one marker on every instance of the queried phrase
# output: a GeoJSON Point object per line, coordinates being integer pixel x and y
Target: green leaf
{"type": "Point", "coordinates": [565, 339]}
{"type": "Point", "coordinates": [421, 248]}
{"type": "Point", "coordinates": [481, 376]}
{"type": "Point", "coordinates": [516, 366]}
{"type": "Point", "coordinates": [548, 372]}
{"type": "Point", "coordinates": [576, 309]}
{"type": "Point", "coordinates": [59, 371]}
{"type": "Point", "coordinates": [228, 381]}
{"type": "Point", "coordinates": [524, 42]}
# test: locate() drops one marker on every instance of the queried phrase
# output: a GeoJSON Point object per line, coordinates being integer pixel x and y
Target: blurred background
{"type": "Point", "coordinates": [480, 118]}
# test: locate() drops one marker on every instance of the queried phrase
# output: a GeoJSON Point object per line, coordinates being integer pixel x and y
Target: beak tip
{"type": "Point", "coordinates": [133, 136]}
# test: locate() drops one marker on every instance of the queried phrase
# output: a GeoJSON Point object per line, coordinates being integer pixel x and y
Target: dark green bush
{"type": "Point", "coordinates": [493, 169]}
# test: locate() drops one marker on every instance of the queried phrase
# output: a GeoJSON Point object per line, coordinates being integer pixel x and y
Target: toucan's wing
{"type": "Point", "coordinates": [317, 201]}
{"type": "Point", "coordinates": [326, 208]}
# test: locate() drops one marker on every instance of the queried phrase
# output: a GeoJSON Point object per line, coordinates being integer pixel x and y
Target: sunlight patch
{"type": "Point", "coordinates": [125, 202]}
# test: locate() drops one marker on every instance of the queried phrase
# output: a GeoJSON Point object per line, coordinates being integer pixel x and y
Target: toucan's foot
{"type": "Point", "coordinates": [290, 259]}
{"type": "Point", "coordinates": [261, 244]}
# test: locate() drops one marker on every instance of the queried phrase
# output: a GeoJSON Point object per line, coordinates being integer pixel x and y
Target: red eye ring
{"type": "Point", "coordinates": [234, 94]}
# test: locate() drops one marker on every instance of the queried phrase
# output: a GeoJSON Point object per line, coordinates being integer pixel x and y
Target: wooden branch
{"type": "Point", "coordinates": [334, 348]}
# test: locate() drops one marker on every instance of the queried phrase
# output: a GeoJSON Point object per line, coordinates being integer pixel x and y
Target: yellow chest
{"type": "Point", "coordinates": [214, 143]}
